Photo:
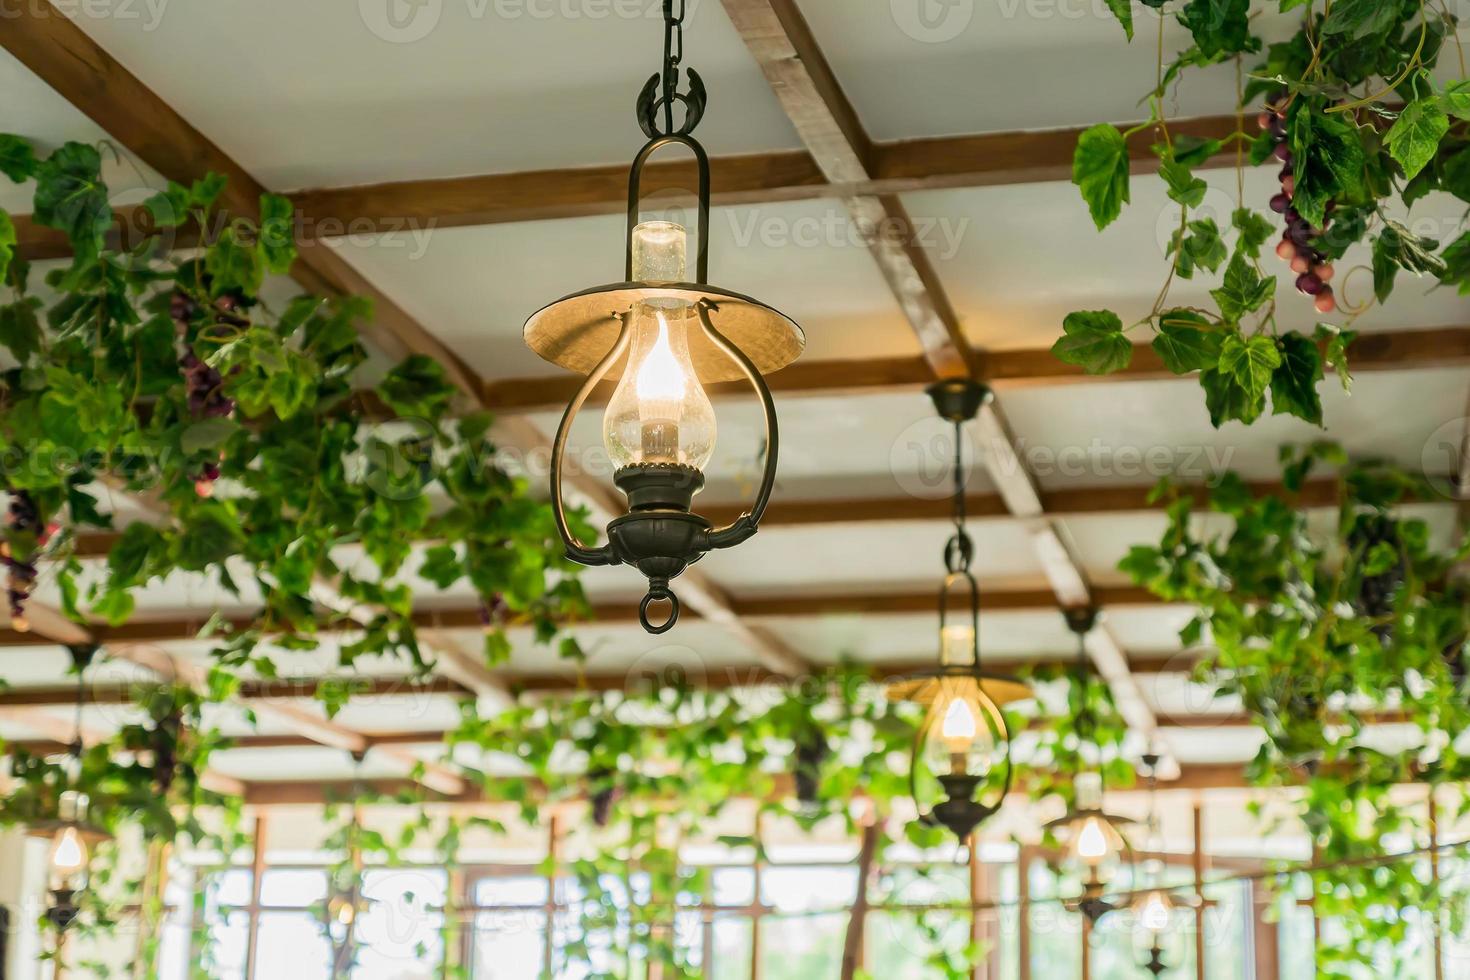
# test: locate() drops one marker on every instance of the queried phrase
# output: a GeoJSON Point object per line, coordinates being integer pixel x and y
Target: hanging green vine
{"type": "Point", "coordinates": [1319, 632]}
{"type": "Point", "coordinates": [1350, 109]}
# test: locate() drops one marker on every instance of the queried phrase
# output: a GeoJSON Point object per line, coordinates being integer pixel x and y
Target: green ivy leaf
{"type": "Point", "coordinates": [1095, 342]}
{"type": "Point", "coordinates": [1456, 99]}
{"type": "Point", "coordinates": [1336, 343]}
{"type": "Point", "coordinates": [418, 388]}
{"type": "Point", "coordinates": [1250, 361]}
{"type": "Point", "coordinates": [1192, 151]}
{"type": "Point", "coordinates": [1220, 27]}
{"type": "Point", "coordinates": [1360, 18]}
{"type": "Point", "coordinates": [1396, 247]}
{"type": "Point", "coordinates": [71, 197]}
{"type": "Point", "coordinates": [277, 241]}
{"type": "Point", "coordinates": [1414, 139]}
{"type": "Point", "coordinates": [233, 265]}
{"type": "Point", "coordinates": [441, 566]}
{"type": "Point", "coordinates": [1123, 10]}
{"type": "Point", "coordinates": [1328, 159]}
{"type": "Point", "coordinates": [1100, 171]}
{"type": "Point", "coordinates": [1244, 289]}
{"type": "Point", "coordinates": [1455, 174]}
{"type": "Point", "coordinates": [1186, 343]}
{"type": "Point", "coordinates": [207, 434]}
{"type": "Point", "coordinates": [17, 158]}
{"type": "Point", "coordinates": [1199, 245]}
{"type": "Point", "coordinates": [1255, 231]}
{"type": "Point", "coordinates": [1294, 382]}
{"type": "Point", "coordinates": [1184, 187]}
{"type": "Point", "coordinates": [7, 244]}
{"type": "Point", "coordinates": [1457, 265]}
{"type": "Point", "coordinates": [115, 606]}
{"type": "Point", "coordinates": [1226, 400]}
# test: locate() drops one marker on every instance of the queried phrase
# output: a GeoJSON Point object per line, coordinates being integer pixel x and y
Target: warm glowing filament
{"type": "Point", "coordinates": [661, 380]}
{"type": "Point", "coordinates": [1092, 842]}
{"type": "Point", "coordinates": [68, 854]}
{"type": "Point", "coordinates": [1154, 915]}
{"type": "Point", "coordinates": [959, 724]}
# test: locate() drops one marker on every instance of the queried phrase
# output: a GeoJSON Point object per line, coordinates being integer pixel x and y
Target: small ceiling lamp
{"type": "Point", "coordinates": [669, 336]}
{"type": "Point", "coordinates": [71, 834]}
{"type": "Point", "coordinates": [1096, 841]}
{"type": "Point", "coordinates": [347, 904]}
{"type": "Point", "coordinates": [963, 740]}
{"type": "Point", "coordinates": [1155, 907]}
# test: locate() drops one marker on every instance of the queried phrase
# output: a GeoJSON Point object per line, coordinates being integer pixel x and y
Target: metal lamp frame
{"type": "Point", "coordinates": [660, 534]}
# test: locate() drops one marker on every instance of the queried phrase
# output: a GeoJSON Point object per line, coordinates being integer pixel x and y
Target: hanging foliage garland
{"type": "Point", "coordinates": [242, 428]}
{"type": "Point", "coordinates": [1350, 110]}
{"type": "Point", "coordinates": [1320, 633]}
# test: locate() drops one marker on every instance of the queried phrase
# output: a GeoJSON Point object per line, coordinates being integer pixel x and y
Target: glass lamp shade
{"type": "Point", "coordinates": [961, 734]}
{"type": "Point", "coordinates": [68, 860]}
{"type": "Point", "coordinates": [660, 413]}
{"type": "Point", "coordinates": [1154, 912]}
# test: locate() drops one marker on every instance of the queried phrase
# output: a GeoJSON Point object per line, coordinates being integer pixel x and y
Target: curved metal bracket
{"type": "Point", "coordinates": [635, 190]}
{"type": "Point", "coordinates": [945, 591]}
{"type": "Point", "coordinates": [744, 526]}
{"type": "Point", "coordinates": [576, 550]}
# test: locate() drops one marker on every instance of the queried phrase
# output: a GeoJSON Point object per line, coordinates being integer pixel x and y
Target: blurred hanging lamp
{"type": "Point", "coordinates": [1096, 841]}
{"type": "Point", "coordinates": [347, 905]}
{"type": "Point", "coordinates": [1154, 908]}
{"type": "Point", "coordinates": [963, 740]}
{"type": "Point", "coordinates": [72, 836]}
{"type": "Point", "coordinates": [670, 337]}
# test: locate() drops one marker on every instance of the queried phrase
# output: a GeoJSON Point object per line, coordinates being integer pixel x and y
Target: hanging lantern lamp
{"type": "Point", "coordinates": [1155, 907]}
{"type": "Point", "coordinates": [72, 836]}
{"type": "Point", "coordinates": [963, 740]}
{"type": "Point", "coordinates": [665, 335]}
{"type": "Point", "coordinates": [1095, 841]}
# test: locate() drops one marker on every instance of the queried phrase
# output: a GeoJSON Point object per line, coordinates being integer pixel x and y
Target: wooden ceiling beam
{"type": "Point", "coordinates": [975, 160]}
{"type": "Point", "coordinates": [1388, 350]}
{"type": "Point", "coordinates": [467, 616]}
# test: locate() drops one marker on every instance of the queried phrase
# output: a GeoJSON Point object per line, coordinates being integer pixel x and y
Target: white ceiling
{"type": "Point", "coordinates": [307, 95]}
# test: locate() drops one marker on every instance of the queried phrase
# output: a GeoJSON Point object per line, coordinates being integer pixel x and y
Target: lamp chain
{"type": "Point", "coordinates": [959, 551]}
{"type": "Point", "coordinates": [673, 56]}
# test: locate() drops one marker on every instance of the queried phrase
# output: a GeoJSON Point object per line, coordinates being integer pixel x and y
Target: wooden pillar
{"type": "Point", "coordinates": [257, 873]}
{"type": "Point", "coordinates": [757, 905]}
{"type": "Point", "coordinates": [1434, 874]}
{"type": "Point", "coordinates": [1199, 891]}
{"type": "Point", "coordinates": [456, 933]}
{"type": "Point", "coordinates": [553, 845]}
{"type": "Point", "coordinates": [1086, 948]}
{"type": "Point", "coordinates": [1023, 908]}
{"type": "Point", "coordinates": [852, 947]}
{"type": "Point", "coordinates": [1266, 936]}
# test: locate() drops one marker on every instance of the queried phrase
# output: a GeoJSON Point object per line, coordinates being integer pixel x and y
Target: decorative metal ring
{"type": "Point", "coordinates": [959, 552]}
{"type": "Point", "coordinates": [656, 593]}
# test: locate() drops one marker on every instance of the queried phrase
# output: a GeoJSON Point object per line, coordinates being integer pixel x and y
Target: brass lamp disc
{"type": "Point", "coordinates": [577, 331]}
{"type": "Point", "coordinates": [923, 690]}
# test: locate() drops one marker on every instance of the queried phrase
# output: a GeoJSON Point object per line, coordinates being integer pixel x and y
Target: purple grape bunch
{"type": "Point", "coordinates": [205, 385]}
{"type": "Point", "coordinates": [1298, 245]}
{"type": "Point", "coordinates": [22, 518]}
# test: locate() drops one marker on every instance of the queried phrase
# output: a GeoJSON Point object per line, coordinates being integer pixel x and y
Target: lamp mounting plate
{"type": "Point", "coordinates": [1081, 619]}
{"type": "Point", "coordinates": [959, 399]}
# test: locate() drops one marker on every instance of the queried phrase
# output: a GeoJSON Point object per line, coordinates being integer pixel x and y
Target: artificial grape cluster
{"type": "Point", "coordinates": [602, 798]}
{"type": "Point", "coordinates": [22, 518]}
{"type": "Point", "coordinates": [1298, 246]}
{"type": "Point", "coordinates": [204, 384]}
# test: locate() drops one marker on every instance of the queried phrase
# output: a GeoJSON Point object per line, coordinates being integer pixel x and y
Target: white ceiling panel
{"type": "Point", "coordinates": [915, 68]}
{"type": "Point", "coordinates": [475, 287]}
{"type": "Point", "coordinates": [1017, 259]}
{"type": "Point", "coordinates": [306, 94]}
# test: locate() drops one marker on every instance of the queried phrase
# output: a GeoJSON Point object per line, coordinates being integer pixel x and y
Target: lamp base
{"type": "Point", "coordinates": [658, 535]}
{"type": "Point", "coordinates": [63, 910]}
{"type": "Point", "coordinates": [958, 399]}
{"type": "Point", "coordinates": [959, 813]}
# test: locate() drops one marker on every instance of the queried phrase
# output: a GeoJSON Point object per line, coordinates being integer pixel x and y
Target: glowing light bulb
{"type": "Point", "coordinates": [68, 853]}
{"type": "Point", "coordinates": [1092, 842]}
{"type": "Point", "coordinates": [346, 912]}
{"type": "Point", "coordinates": [959, 725]}
{"type": "Point", "coordinates": [659, 412]}
{"type": "Point", "coordinates": [1153, 914]}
